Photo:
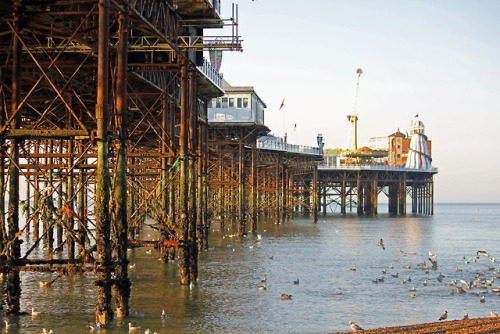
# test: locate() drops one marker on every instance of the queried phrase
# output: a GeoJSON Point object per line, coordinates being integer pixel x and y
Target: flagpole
{"type": "Point", "coordinates": [284, 133]}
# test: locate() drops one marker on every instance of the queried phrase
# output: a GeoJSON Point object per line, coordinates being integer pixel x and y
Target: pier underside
{"type": "Point", "coordinates": [342, 190]}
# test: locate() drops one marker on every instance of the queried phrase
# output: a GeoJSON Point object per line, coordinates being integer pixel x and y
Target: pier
{"type": "Point", "coordinates": [105, 122]}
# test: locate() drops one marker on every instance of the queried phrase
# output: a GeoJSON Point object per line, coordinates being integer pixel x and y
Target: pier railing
{"type": "Point", "coordinates": [279, 146]}
{"type": "Point", "coordinates": [377, 167]}
{"type": "Point", "coordinates": [211, 73]}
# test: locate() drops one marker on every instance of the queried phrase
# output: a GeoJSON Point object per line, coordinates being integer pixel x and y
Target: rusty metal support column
{"type": "Point", "coordinates": [3, 230]}
{"type": "Point", "coordinates": [221, 193]}
{"type": "Point", "coordinates": [81, 210]}
{"type": "Point", "coordinates": [374, 197]}
{"type": "Point", "coordinates": [277, 191]}
{"type": "Point", "coordinates": [359, 204]}
{"type": "Point", "coordinates": [253, 193]}
{"type": "Point", "coordinates": [206, 222]}
{"type": "Point", "coordinates": [28, 205]}
{"type": "Point", "coordinates": [70, 203]}
{"type": "Point", "coordinates": [36, 198]}
{"type": "Point", "coordinates": [119, 217]}
{"type": "Point", "coordinates": [402, 195]}
{"type": "Point", "coordinates": [323, 188]}
{"type": "Point", "coordinates": [14, 250]}
{"type": "Point", "coordinates": [315, 195]}
{"type": "Point", "coordinates": [284, 177]}
{"type": "Point", "coordinates": [343, 196]}
{"type": "Point", "coordinates": [171, 161]}
{"type": "Point", "coordinates": [192, 151]}
{"type": "Point", "coordinates": [49, 185]}
{"type": "Point", "coordinates": [104, 313]}
{"type": "Point", "coordinates": [183, 180]}
{"type": "Point", "coordinates": [393, 198]}
{"type": "Point", "coordinates": [59, 227]}
{"type": "Point", "coordinates": [165, 179]}
{"type": "Point", "coordinates": [367, 187]}
{"type": "Point", "coordinates": [432, 197]}
{"type": "Point", "coordinates": [241, 184]}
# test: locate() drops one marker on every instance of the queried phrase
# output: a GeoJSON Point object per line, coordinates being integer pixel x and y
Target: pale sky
{"type": "Point", "coordinates": [439, 59]}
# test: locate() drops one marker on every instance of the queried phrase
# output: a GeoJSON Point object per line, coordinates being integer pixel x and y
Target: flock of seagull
{"type": "Point", "coordinates": [132, 328]}
{"type": "Point", "coordinates": [481, 285]}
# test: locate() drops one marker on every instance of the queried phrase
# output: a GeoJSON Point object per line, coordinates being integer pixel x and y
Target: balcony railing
{"type": "Point", "coordinates": [211, 73]}
{"type": "Point", "coordinates": [278, 146]}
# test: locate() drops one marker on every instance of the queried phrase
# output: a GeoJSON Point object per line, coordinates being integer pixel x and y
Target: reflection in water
{"type": "Point", "coordinates": [226, 298]}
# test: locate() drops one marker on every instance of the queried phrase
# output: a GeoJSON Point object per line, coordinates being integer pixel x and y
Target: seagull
{"type": "Point", "coordinates": [482, 252]}
{"type": "Point", "coordinates": [458, 269]}
{"type": "Point", "coordinates": [95, 327]}
{"type": "Point", "coordinates": [259, 237]}
{"type": "Point", "coordinates": [413, 289]}
{"type": "Point", "coordinates": [391, 266]}
{"type": "Point", "coordinates": [395, 275]}
{"type": "Point", "coordinates": [262, 287]}
{"type": "Point", "coordinates": [164, 314]}
{"type": "Point", "coordinates": [444, 316]}
{"type": "Point", "coordinates": [296, 281]}
{"type": "Point", "coordinates": [466, 316]}
{"type": "Point", "coordinates": [139, 315]}
{"type": "Point", "coordinates": [425, 283]}
{"type": "Point", "coordinates": [285, 296]}
{"type": "Point", "coordinates": [132, 327]}
{"type": "Point", "coordinates": [413, 295]}
{"type": "Point", "coordinates": [381, 244]}
{"type": "Point", "coordinates": [35, 313]}
{"type": "Point", "coordinates": [493, 314]}
{"type": "Point", "coordinates": [434, 262]}
{"type": "Point", "coordinates": [355, 327]}
{"type": "Point", "coordinates": [353, 268]}
{"type": "Point", "coordinates": [482, 300]}
{"type": "Point", "coordinates": [43, 284]}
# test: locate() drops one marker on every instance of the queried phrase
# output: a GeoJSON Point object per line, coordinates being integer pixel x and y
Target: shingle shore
{"type": "Point", "coordinates": [472, 326]}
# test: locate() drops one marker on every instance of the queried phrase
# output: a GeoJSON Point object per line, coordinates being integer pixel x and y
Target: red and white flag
{"type": "Point", "coordinates": [282, 104]}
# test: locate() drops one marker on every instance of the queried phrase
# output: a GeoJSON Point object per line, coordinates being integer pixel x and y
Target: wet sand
{"type": "Point", "coordinates": [476, 325]}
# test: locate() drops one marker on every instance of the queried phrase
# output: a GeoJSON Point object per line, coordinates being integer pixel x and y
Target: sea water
{"type": "Point", "coordinates": [336, 261]}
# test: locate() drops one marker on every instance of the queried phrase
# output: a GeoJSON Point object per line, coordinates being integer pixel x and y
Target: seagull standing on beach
{"type": "Point", "coordinates": [355, 327]}
{"type": "Point", "coordinates": [443, 316]}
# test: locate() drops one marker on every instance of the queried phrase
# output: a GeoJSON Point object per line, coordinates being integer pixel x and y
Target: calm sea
{"type": "Point", "coordinates": [335, 261]}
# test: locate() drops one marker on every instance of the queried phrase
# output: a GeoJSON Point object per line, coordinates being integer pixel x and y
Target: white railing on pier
{"type": "Point", "coordinates": [279, 146]}
{"type": "Point", "coordinates": [211, 72]}
{"type": "Point", "coordinates": [377, 167]}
